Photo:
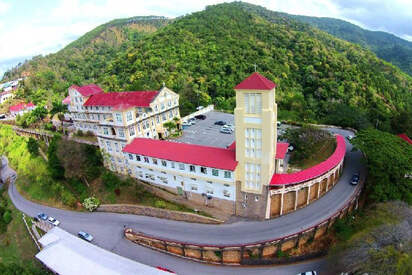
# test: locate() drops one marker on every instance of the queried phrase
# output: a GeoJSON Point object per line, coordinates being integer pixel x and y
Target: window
{"type": "Point", "coordinates": [146, 159]}
{"type": "Point", "coordinates": [172, 164]}
{"type": "Point", "coordinates": [130, 156]}
{"type": "Point", "coordinates": [209, 182]}
{"type": "Point", "coordinates": [227, 185]}
{"type": "Point", "coordinates": [164, 117]}
{"type": "Point", "coordinates": [121, 133]}
{"type": "Point", "coordinates": [181, 166]}
{"type": "Point", "coordinates": [138, 158]}
{"type": "Point", "coordinates": [194, 188]}
{"type": "Point", "coordinates": [209, 191]}
{"type": "Point", "coordinates": [164, 163]}
{"type": "Point", "coordinates": [228, 174]}
{"type": "Point", "coordinates": [129, 116]}
{"type": "Point", "coordinates": [215, 172]}
{"type": "Point", "coordinates": [156, 108]}
{"type": "Point", "coordinates": [226, 193]}
{"type": "Point", "coordinates": [119, 160]}
{"type": "Point", "coordinates": [192, 168]}
{"type": "Point", "coordinates": [132, 131]}
{"type": "Point", "coordinates": [163, 106]}
{"type": "Point", "coordinates": [105, 131]}
{"type": "Point", "coordinates": [157, 119]}
{"type": "Point", "coordinates": [154, 161]}
{"type": "Point", "coordinates": [256, 198]}
{"type": "Point", "coordinates": [203, 170]}
{"type": "Point", "coordinates": [138, 127]}
{"type": "Point", "coordinates": [116, 146]}
{"type": "Point", "coordinates": [109, 147]}
{"type": "Point", "coordinates": [252, 176]}
{"type": "Point", "coordinates": [253, 103]}
{"type": "Point", "coordinates": [253, 142]}
{"type": "Point", "coordinates": [119, 117]}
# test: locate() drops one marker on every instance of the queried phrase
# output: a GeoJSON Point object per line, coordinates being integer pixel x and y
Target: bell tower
{"type": "Point", "coordinates": [256, 136]}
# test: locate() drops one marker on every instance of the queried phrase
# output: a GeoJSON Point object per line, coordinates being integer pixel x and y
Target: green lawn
{"type": "Point", "coordinates": [16, 245]}
{"type": "Point", "coordinates": [322, 151]}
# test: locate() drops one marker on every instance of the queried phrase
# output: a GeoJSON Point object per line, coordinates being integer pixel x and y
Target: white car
{"type": "Point", "coordinates": [291, 148]}
{"type": "Point", "coordinates": [53, 221]}
{"type": "Point", "coordinates": [230, 126]}
{"type": "Point", "coordinates": [308, 273]}
{"type": "Point", "coordinates": [350, 137]}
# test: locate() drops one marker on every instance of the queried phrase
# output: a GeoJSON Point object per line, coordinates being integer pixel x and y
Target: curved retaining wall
{"type": "Point", "coordinates": [289, 192]}
{"type": "Point", "coordinates": [250, 253]}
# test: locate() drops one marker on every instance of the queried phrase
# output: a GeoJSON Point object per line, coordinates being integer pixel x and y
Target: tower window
{"type": "Point", "coordinates": [253, 103]}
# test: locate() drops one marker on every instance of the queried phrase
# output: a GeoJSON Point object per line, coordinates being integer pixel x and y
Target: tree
{"type": "Point", "coordinates": [389, 161]}
{"type": "Point", "coordinates": [54, 164]}
{"type": "Point", "coordinates": [33, 146]}
{"type": "Point", "coordinates": [91, 203]}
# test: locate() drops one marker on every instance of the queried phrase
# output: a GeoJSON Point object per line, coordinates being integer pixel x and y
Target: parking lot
{"type": "Point", "coordinates": [205, 132]}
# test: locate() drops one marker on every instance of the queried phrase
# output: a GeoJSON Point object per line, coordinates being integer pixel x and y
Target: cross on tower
{"type": "Point", "coordinates": [254, 65]}
{"type": "Point", "coordinates": [164, 84]}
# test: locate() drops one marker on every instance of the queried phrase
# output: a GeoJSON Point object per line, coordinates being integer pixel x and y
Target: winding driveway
{"type": "Point", "coordinates": [108, 227]}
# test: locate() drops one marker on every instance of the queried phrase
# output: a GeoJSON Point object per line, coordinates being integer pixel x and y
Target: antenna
{"type": "Point", "coordinates": [254, 65]}
{"type": "Point", "coordinates": [164, 84]}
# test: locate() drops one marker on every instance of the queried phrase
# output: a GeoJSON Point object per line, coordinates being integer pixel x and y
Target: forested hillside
{"type": "Point", "coordinates": [385, 45]}
{"type": "Point", "coordinates": [83, 61]}
{"type": "Point", "coordinates": [203, 55]}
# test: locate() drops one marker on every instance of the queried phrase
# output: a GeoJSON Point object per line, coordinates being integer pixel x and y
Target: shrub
{"type": "Point", "coordinates": [117, 191]}
{"type": "Point", "coordinates": [7, 217]}
{"type": "Point", "coordinates": [91, 203]}
{"type": "Point", "coordinates": [33, 146]}
{"type": "Point", "coordinates": [110, 180]}
{"type": "Point", "coordinates": [160, 204]}
{"type": "Point", "coordinates": [79, 133]}
{"type": "Point", "coordinates": [68, 198]}
{"type": "Point", "coordinates": [89, 133]}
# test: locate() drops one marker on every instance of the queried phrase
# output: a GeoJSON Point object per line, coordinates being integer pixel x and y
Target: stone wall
{"type": "Point", "coordinates": [264, 252]}
{"type": "Point", "coordinates": [156, 212]}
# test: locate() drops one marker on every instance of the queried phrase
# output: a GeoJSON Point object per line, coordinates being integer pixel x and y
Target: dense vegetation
{"type": "Point", "coordinates": [389, 162]}
{"type": "Point", "coordinates": [203, 55]}
{"type": "Point", "coordinates": [375, 241]}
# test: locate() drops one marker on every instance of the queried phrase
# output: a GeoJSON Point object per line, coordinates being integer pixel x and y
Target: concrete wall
{"type": "Point", "coordinates": [156, 212]}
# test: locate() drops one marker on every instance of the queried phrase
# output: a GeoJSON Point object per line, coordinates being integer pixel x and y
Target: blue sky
{"type": "Point", "coordinates": [29, 28]}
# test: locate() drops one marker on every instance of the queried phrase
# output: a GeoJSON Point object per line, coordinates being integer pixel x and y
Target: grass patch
{"type": "Point", "coordinates": [322, 151]}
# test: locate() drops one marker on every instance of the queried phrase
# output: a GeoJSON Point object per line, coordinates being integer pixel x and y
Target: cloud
{"type": "Point", "coordinates": [4, 7]}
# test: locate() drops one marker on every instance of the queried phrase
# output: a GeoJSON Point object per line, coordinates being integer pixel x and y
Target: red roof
{"type": "Point", "coordinates": [315, 171]}
{"type": "Point", "coordinates": [122, 100]}
{"type": "Point", "coordinates": [17, 107]}
{"type": "Point", "coordinates": [255, 82]}
{"type": "Point", "coordinates": [66, 100]}
{"type": "Point", "coordinates": [88, 90]}
{"type": "Point", "coordinates": [281, 150]}
{"type": "Point", "coordinates": [182, 152]}
{"type": "Point", "coordinates": [232, 147]}
{"type": "Point", "coordinates": [30, 104]}
{"type": "Point", "coordinates": [405, 138]}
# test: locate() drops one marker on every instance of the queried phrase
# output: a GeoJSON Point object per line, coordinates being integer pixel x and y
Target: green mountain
{"type": "Point", "coordinates": [202, 56]}
{"type": "Point", "coordinates": [385, 45]}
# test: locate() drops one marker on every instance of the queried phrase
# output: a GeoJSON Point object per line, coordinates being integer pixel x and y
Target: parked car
{"type": "Point", "coordinates": [202, 117]}
{"type": "Point", "coordinates": [308, 273]}
{"type": "Point", "coordinates": [192, 121]}
{"type": "Point", "coordinates": [226, 130]}
{"type": "Point", "coordinates": [278, 123]}
{"type": "Point", "coordinates": [231, 126]}
{"type": "Point", "coordinates": [355, 179]}
{"type": "Point", "coordinates": [350, 137]}
{"type": "Point", "coordinates": [2, 116]}
{"type": "Point", "coordinates": [291, 148]}
{"type": "Point", "coordinates": [53, 221]}
{"type": "Point", "coordinates": [85, 236]}
{"type": "Point", "coordinates": [185, 123]}
{"type": "Point", "coordinates": [220, 122]}
{"type": "Point", "coordinates": [164, 269]}
{"type": "Point", "coordinates": [42, 216]}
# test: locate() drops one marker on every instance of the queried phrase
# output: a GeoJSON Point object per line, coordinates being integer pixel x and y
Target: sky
{"type": "Point", "coordinates": [32, 27]}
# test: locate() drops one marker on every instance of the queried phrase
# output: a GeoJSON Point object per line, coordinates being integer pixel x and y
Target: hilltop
{"type": "Point", "coordinates": [203, 55]}
{"type": "Point", "coordinates": [385, 45]}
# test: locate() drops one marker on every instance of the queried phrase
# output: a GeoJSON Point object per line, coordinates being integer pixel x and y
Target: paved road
{"type": "Point", "coordinates": [107, 228]}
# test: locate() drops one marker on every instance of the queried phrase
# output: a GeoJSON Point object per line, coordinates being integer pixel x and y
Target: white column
{"type": "Point", "coordinates": [296, 198]}
{"type": "Point", "coordinates": [268, 204]}
{"type": "Point", "coordinates": [307, 200]}
{"type": "Point", "coordinates": [281, 203]}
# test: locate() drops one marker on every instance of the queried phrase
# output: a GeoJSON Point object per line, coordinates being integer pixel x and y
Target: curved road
{"type": "Point", "coordinates": [108, 228]}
